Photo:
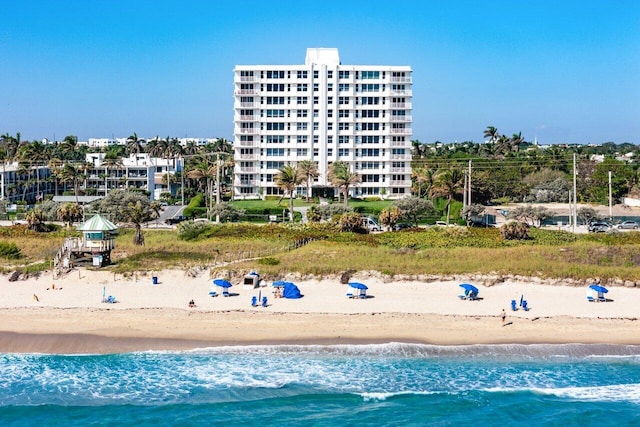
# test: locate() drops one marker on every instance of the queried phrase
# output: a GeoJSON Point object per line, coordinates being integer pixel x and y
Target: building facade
{"type": "Point", "coordinates": [325, 112]}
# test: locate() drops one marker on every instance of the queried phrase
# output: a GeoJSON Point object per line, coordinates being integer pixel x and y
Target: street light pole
{"type": "Point", "coordinates": [217, 186]}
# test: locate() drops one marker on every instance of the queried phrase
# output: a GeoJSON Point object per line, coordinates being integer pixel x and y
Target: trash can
{"type": "Point", "coordinates": [155, 280]}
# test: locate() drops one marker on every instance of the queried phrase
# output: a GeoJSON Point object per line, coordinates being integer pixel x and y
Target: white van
{"type": "Point", "coordinates": [370, 224]}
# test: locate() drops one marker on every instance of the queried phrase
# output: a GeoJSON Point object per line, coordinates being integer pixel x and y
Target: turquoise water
{"type": "Point", "coordinates": [388, 384]}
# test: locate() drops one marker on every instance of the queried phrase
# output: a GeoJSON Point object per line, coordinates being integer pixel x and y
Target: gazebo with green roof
{"type": "Point", "coordinates": [98, 239]}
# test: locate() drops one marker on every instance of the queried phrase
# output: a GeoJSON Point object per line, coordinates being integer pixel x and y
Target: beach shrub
{"type": "Point", "coordinates": [190, 230]}
{"type": "Point", "coordinates": [514, 230]}
{"type": "Point", "coordinates": [196, 201]}
{"type": "Point", "coordinates": [268, 261]}
{"type": "Point", "coordinates": [9, 250]}
{"type": "Point", "coordinates": [351, 221]}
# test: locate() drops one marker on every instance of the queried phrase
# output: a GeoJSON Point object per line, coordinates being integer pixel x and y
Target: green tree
{"type": "Point", "coordinates": [412, 208]}
{"type": "Point", "coordinates": [449, 183]}
{"type": "Point", "coordinates": [308, 170]}
{"type": "Point", "coordinates": [340, 176]}
{"type": "Point", "coordinates": [70, 212]}
{"type": "Point", "coordinates": [287, 179]}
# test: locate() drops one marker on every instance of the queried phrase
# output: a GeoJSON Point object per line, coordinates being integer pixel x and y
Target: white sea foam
{"type": "Point", "coordinates": [609, 393]}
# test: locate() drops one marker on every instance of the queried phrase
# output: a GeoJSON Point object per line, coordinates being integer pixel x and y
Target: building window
{"type": "Point", "coordinates": [275, 74]}
{"type": "Point", "coordinates": [330, 74]}
{"type": "Point", "coordinates": [343, 126]}
{"type": "Point", "coordinates": [329, 113]}
{"type": "Point", "coordinates": [315, 113]}
{"type": "Point", "coordinates": [343, 113]}
{"type": "Point", "coordinates": [343, 152]}
{"type": "Point", "coordinates": [330, 100]}
{"type": "Point", "coordinates": [301, 113]}
{"type": "Point", "coordinates": [315, 74]}
{"type": "Point", "coordinates": [302, 100]}
{"type": "Point", "coordinates": [302, 87]}
{"type": "Point", "coordinates": [301, 126]}
{"type": "Point", "coordinates": [330, 126]}
{"type": "Point", "coordinates": [302, 74]}
{"type": "Point", "coordinates": [343, 74]}
{"type": "Point", "coordinates": [343, 139]}
{"type": "Point", "coordinates": [315, 100]}
{"type": "Point", "coordinates": [370, 75]}
{"type": "Point", "coordinates": [301, 152]}
{"type": "Point", "coordinates": [329, 152]}
{"type": "Point", "coordinates": [315, 125]}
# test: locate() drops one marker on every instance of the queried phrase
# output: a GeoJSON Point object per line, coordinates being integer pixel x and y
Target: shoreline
{"type": "Point", "coordinates": [195, 330]}
{"type": "Point", "coordinates": [72, 319]}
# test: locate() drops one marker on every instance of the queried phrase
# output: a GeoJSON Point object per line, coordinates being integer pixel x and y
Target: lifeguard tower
{"type": "Point", "coordinates": [94, 247]}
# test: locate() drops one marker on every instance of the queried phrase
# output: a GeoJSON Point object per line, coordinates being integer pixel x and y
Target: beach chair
{"type": "Point", "coordinates": [602, 298]}
{"type": "Point", "coordinates": [264, 301]}
{"type": "Point", "coordinates": [213, 294]}
{"type": "Point", "coordinates": [525, 305]}
{"type": "Point", "coordinates": [514, 307]}
{"type": "Point", "coordinates": [225, 293]}
{"type": "Point", "coordinates": [349, 295]}
{"type": "Point", "coordinates": [362, 294]}
{"type": "Point", "coordinates": [254, 301]}
{"type": "Point", "coordinates": [111, 299]}
{"type": "Point", "coordinates": [472, 296]}
{"type": "Point", "coordinates": [590, 298]}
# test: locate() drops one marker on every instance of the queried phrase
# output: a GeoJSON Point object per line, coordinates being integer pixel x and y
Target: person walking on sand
{"type": "Point", "coordinates": [503, 316]}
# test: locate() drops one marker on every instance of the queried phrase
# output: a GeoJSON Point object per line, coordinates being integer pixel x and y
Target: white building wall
{"type": "Point", "coordinates": [276, 125]}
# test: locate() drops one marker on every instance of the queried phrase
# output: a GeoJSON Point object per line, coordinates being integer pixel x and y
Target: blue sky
{"type": "Point", "coordinates": [559, 71]}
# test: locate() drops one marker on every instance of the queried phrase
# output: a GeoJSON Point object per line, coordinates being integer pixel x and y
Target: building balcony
{"type": "Point", "coordinates": [245, 182]}
{"type": "Point", "coordinates": [400, 118]}
{"type": "Point", "coordinates": [400, 183]}
{"type": "Point", "coordinates": [247, 118]}
{"type": "Point", "coordinates": [247, 169]}
{"type": "Point", "coordinates": [248, 131]}
{"type": "Point", "coordinates": [246, 79]}
{"type": "Point", "coordinates": [401, 79]}
{"type": "Point", "coordinates": [246, 144]}
{"type": "Point", "coordinates": [400, 156]}
{"type": "Point", "coordinates": [405, 105]}
{"type": "Point", "coordinates": [248, 157]}
{"type": "Point", "coordinates": [405, 131]}
{"type": "Point", "coordinates": [401, 92]}
{"type": "Point", "coordinates": [398, 170]}
{"type": "Point", "coordinates": [249, 104]}
{"type": "Point", "coordinates": [247, 91]}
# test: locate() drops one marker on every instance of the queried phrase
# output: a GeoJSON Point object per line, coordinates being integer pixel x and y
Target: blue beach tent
{"type": "Point", "coordinates": [291, 291]}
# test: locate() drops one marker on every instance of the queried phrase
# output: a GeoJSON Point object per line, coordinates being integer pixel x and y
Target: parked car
{"type": "Point", "coordinates": [599, 227]}
{"type": "Point", "coordinates": [628, 225]}
{"type": "Point", "coordinates": [370, 224]}
{"type": "Point", "coordinates": [176, 220]}
{"type": "Point", "coordinates": [402, 226]}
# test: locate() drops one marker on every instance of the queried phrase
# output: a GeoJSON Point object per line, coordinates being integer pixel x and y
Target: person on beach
{"type": "Point", "coordinates": [192, 303]}
{"type": "Point", "coordinates": [504, 316]}
{"type": "Point", "coordinates": [35, 297]}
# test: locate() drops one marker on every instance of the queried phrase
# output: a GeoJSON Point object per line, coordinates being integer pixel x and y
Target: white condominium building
{"type": "Point", "coordinates": [325, 112]}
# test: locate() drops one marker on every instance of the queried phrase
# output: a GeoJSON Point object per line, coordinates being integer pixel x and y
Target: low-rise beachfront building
{"type": "Point", "coordinates": [24, 182]}
{"type": "Point", "coordinates": [139, 171]}
{"type": "Point", "coordinates": [323, 111]}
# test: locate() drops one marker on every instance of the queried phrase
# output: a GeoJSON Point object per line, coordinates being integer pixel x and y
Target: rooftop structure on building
{"type": "Point", "coordinates": [325, 112]}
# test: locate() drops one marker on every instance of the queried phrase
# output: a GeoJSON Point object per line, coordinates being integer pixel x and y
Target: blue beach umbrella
{"type": "Point", "coordinates": [599, 289]}
{"type": "Point", "coordinates": [280, 284]}
{"type": "Point", "coordinates": [222, 283]}
{"type": "Point", "coordinates": [468, 287]}
{"type": "Point", "coordinates": [358, 285]}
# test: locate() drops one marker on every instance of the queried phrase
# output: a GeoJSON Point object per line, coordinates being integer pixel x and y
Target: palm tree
{"type": "Point", "coordinates": [423, 178]}
{"type": "Point", "coordinates": [69, 212]}
{"type": "Point", "coordinates": [134, 145]}
{"type": "Point", "coordinates": [137, 214]}
{"type": "Point", "coordinates": [156, 208]}
{"type": "Point", "coordinates": [287, 179]}
{"type": "Point", "coordinates": [515, 141]}
{"type": "Point", "coordinates": [206, 171]}
{"type": "Point", "coordinates": [341, 177]}
{"type": "Point", "coordinates": [71, 174]}
{"type": "Point", "coordinates": [110, 161]}
{"type": "Point", "coordinates": [449, 183]}
{"type": "Point", "coordinates": [308, 170]}
{"type": "Point", "coordinates": [491, 132]}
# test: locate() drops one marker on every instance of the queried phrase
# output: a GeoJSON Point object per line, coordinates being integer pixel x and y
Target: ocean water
{"type": "Point", "coordinates": [391, 384]}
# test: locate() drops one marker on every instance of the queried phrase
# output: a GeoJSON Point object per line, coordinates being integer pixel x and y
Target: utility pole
{"type": "Point", "coordinates": [610, 199]}
{"type": "Point", "coordinates": [182, 178]}
{"type": "Point", "coordinates": [217, 186]}
{"type": "Point", "coordinates": [575, 197]}
{"type": "Point", "coordinates": [469, 185]}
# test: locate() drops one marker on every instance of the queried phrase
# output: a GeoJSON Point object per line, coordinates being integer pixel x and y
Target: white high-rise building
{"type": "Point", "coordinates": [325, 112]}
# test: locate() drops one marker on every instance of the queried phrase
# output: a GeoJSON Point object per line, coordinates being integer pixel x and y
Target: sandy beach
{"type": "Point", "coordinates": [73, 319]}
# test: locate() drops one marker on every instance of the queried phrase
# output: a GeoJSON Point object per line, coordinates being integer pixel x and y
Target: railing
{"type": "Point", "coordinates": [247, 144]}
{"type": "Point", "coordinates": [396, 131]}
{"type": "Point", "coordinates": [246, 169]}
{"type": "Point", "coordinates": [251, 131]}
{"type": "Point", "coordinates": [400, 182]}
{"type": "Point", "coordinates": [249, 104]}
{"type": "Point", "coordinates": [248, 79]}
{"type": "Point", "coordinates": [401, 79]}
{"type": "Point", "coordinates": [400, 118]}
{"type": "Point", "coordinates": [247, 118]}
{"type": "Point", "coordinates": [406, 105]}
{"type": "Point", "coordinates": [403, 92]}
{"type": "Point", "coordinates": [248, 156]}
{"type": "Point", "coordinates": [245, 182]}
{"type": "Point", "coordinates": [247, 92]}
{"type": "Point", "coordinates": [401, 156]}
{"type": "Point", "coordinates": [396, 170]}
